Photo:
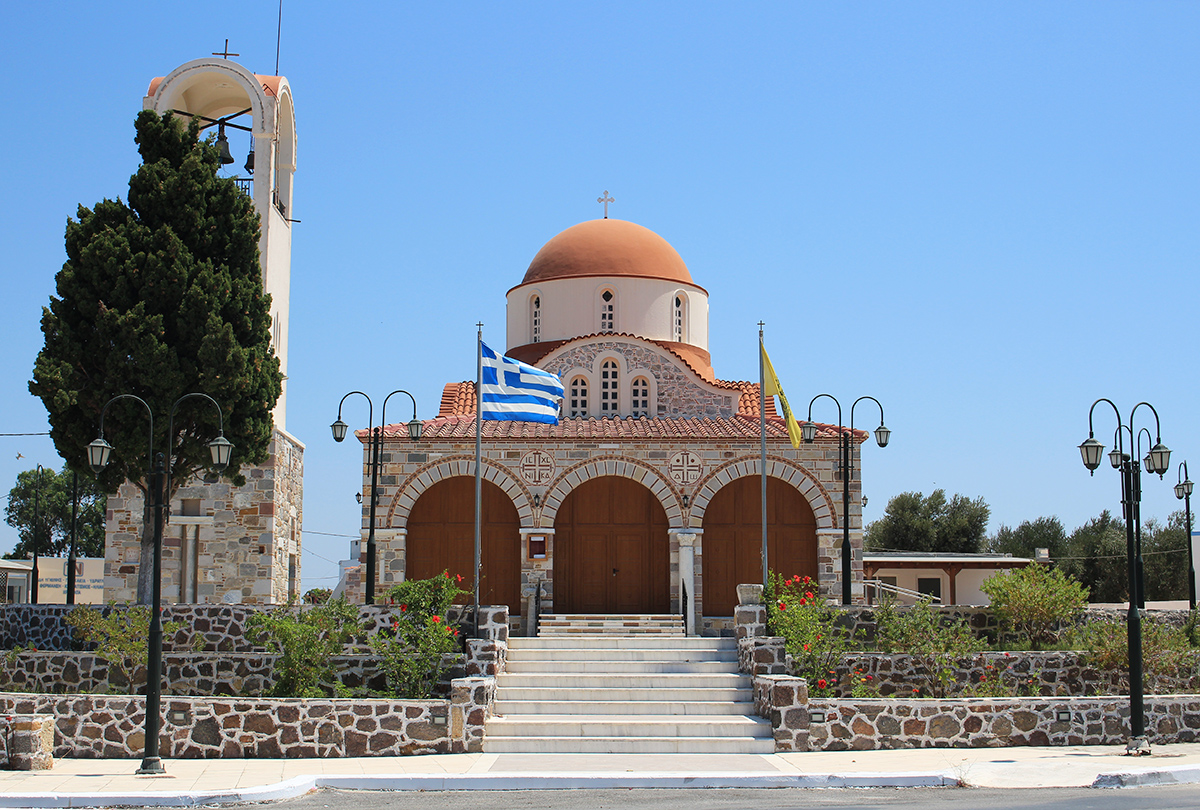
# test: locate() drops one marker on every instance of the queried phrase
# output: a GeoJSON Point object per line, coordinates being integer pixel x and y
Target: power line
{"type": "Point", "coordinates": [330, 534]}
{"type": "Point", "coordinates": [45, 433]}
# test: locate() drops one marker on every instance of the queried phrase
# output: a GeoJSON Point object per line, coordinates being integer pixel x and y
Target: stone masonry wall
{"type": "Point", "coordinates": [241, 545]}
{"type": "Point", "coordinates": [101, 726]}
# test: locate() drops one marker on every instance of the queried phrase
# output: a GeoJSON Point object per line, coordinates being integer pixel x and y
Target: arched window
{"type": "Point", "coordinates": [677, 326]}
{"type": "Point", "coordinates": [608, 306]}
{"type": "Point", "coordinates": [608, 389]}
{"type": "Point", "coordinates": [640, 389]}
{"type": "Point", "coordinates": [579, 398]}
{"type": "Point", "coordinates": [536, 318]}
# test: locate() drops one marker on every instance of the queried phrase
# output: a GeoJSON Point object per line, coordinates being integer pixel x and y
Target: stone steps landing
{"type": "Point", "coordinates": [556, 624]}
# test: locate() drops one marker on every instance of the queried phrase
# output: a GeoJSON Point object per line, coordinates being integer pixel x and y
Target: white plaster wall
{"type": "Point", "coordinates": [644, 307]}
{"type": "Point", "coordinates": [968, 583]}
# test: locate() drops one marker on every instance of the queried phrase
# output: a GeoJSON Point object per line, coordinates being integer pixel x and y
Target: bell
{"type": "Point", "coordinates": [249, 167]}
{"type": "Point", "coordinates": [223, 146]}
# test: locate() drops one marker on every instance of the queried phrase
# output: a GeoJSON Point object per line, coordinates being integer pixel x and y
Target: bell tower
{"type": "Point", "coordinates": [232, 101]}
{"type": "Point", "coordinates": [227, 544]}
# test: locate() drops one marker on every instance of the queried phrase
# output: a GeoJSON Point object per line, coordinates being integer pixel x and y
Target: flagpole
{"type": "Point", "coordinates": [762, 430]}
{"type": "Point", "coordinates": [478, 465]}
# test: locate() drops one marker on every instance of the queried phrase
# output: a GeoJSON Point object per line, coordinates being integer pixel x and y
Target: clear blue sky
{"type": "Point", "coordinates": [984, 215]}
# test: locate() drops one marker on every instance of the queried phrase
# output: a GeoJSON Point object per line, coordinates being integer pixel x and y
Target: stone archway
{"type": "Point", "coordinates": [611, 550]}
{"type": "Point", "coordinates": [819, 499]}
{"type": "Point", "coordinates": [429, 475]}
{"type": "Point", "coordinates": [660, 487]}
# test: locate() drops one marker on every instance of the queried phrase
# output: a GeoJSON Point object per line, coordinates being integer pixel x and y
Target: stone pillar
{"type": "Point", "coordinates": [687, 573]}
{"type": "Point", "coordinates": [537, 566]}
{"type": "Point", "coordinates": [32, 742]}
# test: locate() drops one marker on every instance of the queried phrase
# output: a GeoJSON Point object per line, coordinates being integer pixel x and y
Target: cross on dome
{"type": "Point", "coordinates": [606, 200]}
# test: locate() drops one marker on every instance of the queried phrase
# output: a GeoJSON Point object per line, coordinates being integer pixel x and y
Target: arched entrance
{"type": "Point", "coordinates": [732, 544]}
{"type": "Point", "coordinates": [441, 537]}
{"type": "Point", "coordinates": [611, 553]}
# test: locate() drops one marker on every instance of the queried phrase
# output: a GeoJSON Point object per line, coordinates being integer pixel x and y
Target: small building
{"type": "Point", "coordinates": [951, 579]}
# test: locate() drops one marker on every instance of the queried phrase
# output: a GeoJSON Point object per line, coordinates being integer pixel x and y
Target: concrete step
{"type": "Point", "coordinates": [521, 666]}
{"type": "Point", "coordinates": [625, 680]}
{"type": "Point", "coordinates": [611, 617]}
{"type": "Point", "coordinates": [628, 745]}
{"type": "Point", "coordinates": [640, 694]}
{"type": "Point", "coordinates": [621, 643]}
{"type": "Point", "coordinates": [510, 707]}
{"type": "Point", "coordinates": [552, 656]}
{"type": "Point", "coordinates": [628, 725]}
{"type": "Point", "coordinates": [610, 630]}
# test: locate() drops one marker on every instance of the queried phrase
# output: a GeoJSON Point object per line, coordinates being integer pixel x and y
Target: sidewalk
{"type": "Point", "coordinates": [106, 782]}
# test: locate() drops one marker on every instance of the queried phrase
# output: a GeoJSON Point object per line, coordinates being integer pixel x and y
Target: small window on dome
{"type": "Point", "coordinates": [537, 319]}
{"type": "Point", "coordinates": [607, 311]}
{"type": "Point", "coordinates": [579, 398]}
{"type": "Point", "coordinates": [608, 389]}
{"type": "Point", "coordinates": [677, 327]}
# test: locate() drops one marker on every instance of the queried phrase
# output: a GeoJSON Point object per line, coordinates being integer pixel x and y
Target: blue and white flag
{"type": "Point", "coordinates": [514, 391]}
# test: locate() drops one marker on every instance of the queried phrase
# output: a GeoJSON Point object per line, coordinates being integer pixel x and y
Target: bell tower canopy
{"type": "Point", "coordinates": [229, 99]}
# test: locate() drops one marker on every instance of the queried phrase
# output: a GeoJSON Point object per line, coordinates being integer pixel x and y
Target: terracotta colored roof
{"type": "Point", "coordinates": [738, 428]}
{"type": "Point", "coordinates": [607, 247]}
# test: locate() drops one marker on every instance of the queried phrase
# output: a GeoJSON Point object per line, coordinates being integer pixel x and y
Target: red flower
{"type": "Point", "coordinates": [808, 595]}
{"type": "Point", "coordinates": [870, 677]}
{"type": "Point", "coordinates": [803, 602]}
{"type": "Point", "coordinates": [806, 648]}
{"type": "Point", "coordinates": [403, 608]}
{"type": "Point", "coordinates": [437, 619]}
{"type": "Point", "coordinates": [782, 606]}
{"type": "Point", "coordinates": [822, 683]}
{"type": "Point", "coordinates": [459, 577]}
{"type": "Point", "coordinates": [456, 632]}
{"type": "Point", "coordinates": [447, 573]}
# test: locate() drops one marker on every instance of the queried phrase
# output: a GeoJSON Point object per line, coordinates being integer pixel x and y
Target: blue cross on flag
{"type": "Point", "coordinates": [514, 391]}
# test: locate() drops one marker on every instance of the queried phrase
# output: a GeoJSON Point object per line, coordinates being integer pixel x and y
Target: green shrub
{"type": "Point", "coordinates": [1166, 652]}
{"type": "Point", "coordinates": [808, 625]}
{"type": "Point", "coordinates": [935, 642]}
{"type": "Point", "coordinates": [317, 596]}
{"type": "Point", "coordinates": [121, 636]}
{"type": "Point", "coordinates": [1036, 602]}
{"type": "Point", "coordinates": [412, 649]}
{"type": "Point", "coordinates": [306, 640]}
{"type": "Point", "coordinates": [427, 597]}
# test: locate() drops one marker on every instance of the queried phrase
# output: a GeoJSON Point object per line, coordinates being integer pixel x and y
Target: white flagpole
{"type": "Point", "coordinates": [478, 466]}
{"type": "Point", "coordinates": [762, 430]}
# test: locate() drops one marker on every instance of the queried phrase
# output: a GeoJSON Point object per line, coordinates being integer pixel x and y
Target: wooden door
{"type": "Point", "coordinates": [441, 537]}
{"type": "Point", "coordinates": [610, 550]}
{"type": "Point", "coordinates": [732, 540]}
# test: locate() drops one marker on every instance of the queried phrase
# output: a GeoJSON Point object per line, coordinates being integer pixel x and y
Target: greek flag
{"type": "Point", "coordinates": [513, 391]}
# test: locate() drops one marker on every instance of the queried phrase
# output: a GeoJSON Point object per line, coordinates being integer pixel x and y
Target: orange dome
{"type": "Point", "coordinates": [607, 247]}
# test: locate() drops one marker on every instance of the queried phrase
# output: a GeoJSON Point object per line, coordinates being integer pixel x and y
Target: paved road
{"type": "Point", "coordinates": [1166, 797]}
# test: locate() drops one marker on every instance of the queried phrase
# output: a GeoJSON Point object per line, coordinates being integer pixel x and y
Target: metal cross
{"type": "Point", "coordinates": [226, 54]}
{"type": "Point", "coordinates": [606, 200]}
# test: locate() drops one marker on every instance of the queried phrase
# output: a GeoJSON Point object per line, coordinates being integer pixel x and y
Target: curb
{"type": "Point", "coordinates": [301, 785]}
{"type": "Point", "coordinates": [1183, 775]}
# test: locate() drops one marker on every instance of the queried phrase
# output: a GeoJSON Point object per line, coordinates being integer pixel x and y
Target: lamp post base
{"type": "Point", "coordinates": [1137, 747]}
{"type": "Point", "coordinates": [150, 766]}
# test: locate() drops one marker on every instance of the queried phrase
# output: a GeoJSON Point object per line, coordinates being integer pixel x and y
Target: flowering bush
{"type": "Point", "coordinates": [412, 649]}
{"type": "Point", "coordinates": [808, 625]}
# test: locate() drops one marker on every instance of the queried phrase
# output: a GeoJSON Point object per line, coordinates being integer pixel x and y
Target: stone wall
{"type": "Point", "coordinates": [27, 742]}
{"type": "Point", "coordinates": [102, 726]}
{"type": "Point", "coordinates": [222, 544]}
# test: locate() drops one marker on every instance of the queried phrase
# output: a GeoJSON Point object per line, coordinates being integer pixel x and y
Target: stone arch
{"type": "Point", "coordinates": [426, 476]}
{"type": "Point", "coordinates": [171, 91]}
{"type": "Point", "coordinates": [818, 496]}
{"type": "Point", "coordinates": [649, 477]}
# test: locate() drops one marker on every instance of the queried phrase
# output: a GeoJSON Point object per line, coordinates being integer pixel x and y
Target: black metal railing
{"type": "Point", "coordinates": [537, 609]}
{"type": "Point", "coordinates": [683, 604]}
{"type": "Point", "coordinates": [245, 185]}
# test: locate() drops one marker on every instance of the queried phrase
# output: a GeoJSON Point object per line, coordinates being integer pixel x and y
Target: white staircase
{"type": "Point", "coordinates": [599, 684]}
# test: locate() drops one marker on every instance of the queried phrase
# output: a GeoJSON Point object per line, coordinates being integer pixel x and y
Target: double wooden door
{"type": "Point", "coordinates": [611, 553]}
{"type": "Point", "coordinates": [732, 539]}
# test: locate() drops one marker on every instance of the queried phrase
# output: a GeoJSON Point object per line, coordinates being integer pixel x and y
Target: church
{"type": "Point", "coordinates": [645, 498]}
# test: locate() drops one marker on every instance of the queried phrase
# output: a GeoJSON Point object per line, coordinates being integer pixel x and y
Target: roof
{"type": "Point", "coordinates": [607, 247]}
{"type": "Point", "coordinates": [930, 559]}
{"type": "Point", "coordinates": [736, 428]}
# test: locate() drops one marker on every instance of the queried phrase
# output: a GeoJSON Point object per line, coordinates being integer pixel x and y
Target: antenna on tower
{"type": "Point", "coordinates": [278, 33]}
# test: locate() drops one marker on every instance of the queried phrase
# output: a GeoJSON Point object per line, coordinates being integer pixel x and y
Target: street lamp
{"type": "Point", "coordinates": [158, 483]}
{"type": "Point", "coordinates": [882, 435]}
{"type": "Point", "coordinates": [339, 429]}
{"type": "Point", "coordinates": [1183, 491]}
{"type": "Point", "coordinates": [1157, 461]}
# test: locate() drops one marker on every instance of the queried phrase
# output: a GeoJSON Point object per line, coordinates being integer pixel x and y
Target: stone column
{"type": "Point", "coordinates": [536, 569]}
{"type": "Point", "coordinates": [687, 573]}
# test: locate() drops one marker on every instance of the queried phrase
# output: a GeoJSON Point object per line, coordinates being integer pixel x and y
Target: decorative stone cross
{"type": "Point", "coordinates": [225, 53]}
{"type": "Point", "coordinates": [606, 200]}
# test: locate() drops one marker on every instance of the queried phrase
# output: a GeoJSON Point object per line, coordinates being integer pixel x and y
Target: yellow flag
{"type": "Point", "coordinates": [771, 387]}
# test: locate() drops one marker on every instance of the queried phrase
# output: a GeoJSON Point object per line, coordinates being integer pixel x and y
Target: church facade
{"type": "Point", "coordinates": [646, 496]}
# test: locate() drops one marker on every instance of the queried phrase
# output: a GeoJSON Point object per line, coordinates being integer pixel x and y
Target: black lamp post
{"type": "Point", "coordinates": [809, 431]}
{"type": "Point", "coordinates": [71, 550]}
{"type": "Point", "coordinates": [339, 429]}
{"type": "Point", "coordinates": [37, 521]}
{"type": "Point", "coordinates": [158, 482]}
{"type": "Point", "coordinates": [1157, 460]}
{"type": "Point", "coordinates": [1183, 491]}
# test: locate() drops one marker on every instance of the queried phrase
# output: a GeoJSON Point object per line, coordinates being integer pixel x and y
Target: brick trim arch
{"type": "Point", "coordinates": [784, 469]}
{"type": "Point", "coordinates": [648, 476]}
{"type": "Point", "coordinates": [415, 485]}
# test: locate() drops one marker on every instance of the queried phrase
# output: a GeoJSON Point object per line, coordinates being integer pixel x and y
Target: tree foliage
{"type": "Point", "coordinates": [1096, 558]}
{"type": "Point", "coordinates": [161, 297]}
{"type": "Point", "coordinates": [52, 493]}
{"type": "Point", "coordinates": [1028, 537]}
{"type": "Point", "coordinates": [1036, 602]}
{"type": "Point", "coordinates": [913, 522]}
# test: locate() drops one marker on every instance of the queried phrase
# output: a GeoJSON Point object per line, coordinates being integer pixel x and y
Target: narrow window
{"type": "Point", "coordinates": [537, 319]}
{"type": "Point", "coordinates": [641, 396]}
{"type": "Point", "coordinates": [608, 388]}
{"type": "Point", "coordinates": [579, 398]}
{"type": "Point", "coordinates": [607, 308]}
{"type": "Point", "coordinates": [678, 328]}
